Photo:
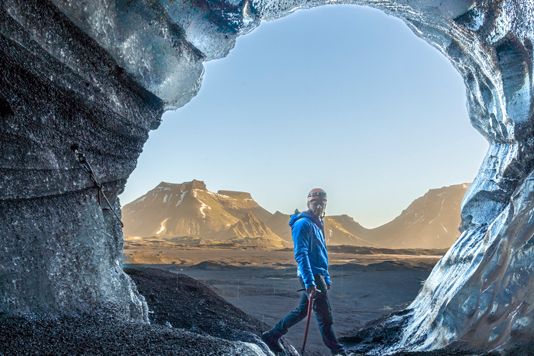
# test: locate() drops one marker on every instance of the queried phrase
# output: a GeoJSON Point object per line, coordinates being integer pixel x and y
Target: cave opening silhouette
{"type": "Point", "coordinates": [148, 58]}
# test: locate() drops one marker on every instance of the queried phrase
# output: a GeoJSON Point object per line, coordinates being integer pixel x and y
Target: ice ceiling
{"type": "Point", "coordinates": [100, 73]}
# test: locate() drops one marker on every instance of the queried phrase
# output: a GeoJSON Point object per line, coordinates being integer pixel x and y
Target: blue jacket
{"type": "Point", "coordinates": [310, 247]}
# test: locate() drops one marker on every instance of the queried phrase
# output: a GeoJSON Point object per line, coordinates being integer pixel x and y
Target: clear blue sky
{"type": "Point", "coordinates": [345, 98]}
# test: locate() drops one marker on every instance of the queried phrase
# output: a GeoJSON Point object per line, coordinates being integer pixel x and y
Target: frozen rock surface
{"type": "Point", "coordinates": [100, 73]}
{"type": "Point", "coordinates": [60, 252]}
{"type": "Point", "coordinates": [187, 317]}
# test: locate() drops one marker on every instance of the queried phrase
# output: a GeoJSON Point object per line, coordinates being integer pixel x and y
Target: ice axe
{"type": "Point", "coordinates": [310, 306]}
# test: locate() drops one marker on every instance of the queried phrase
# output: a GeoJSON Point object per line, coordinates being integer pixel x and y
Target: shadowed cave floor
{"type": "Point", "coordinates": [202, 324]}
{"type": "Point", "coordinates": [361, 296]}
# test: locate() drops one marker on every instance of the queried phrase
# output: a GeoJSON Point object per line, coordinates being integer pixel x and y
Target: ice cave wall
{"type": "Point", "coordinates": [99, 73]}
{"type": "Point", "coordinates": [60, 252]}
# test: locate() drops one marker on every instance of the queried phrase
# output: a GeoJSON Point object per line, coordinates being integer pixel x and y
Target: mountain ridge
{"type": "Point", "coordinates": [189, 209]}
{"type": "Point", "coordinates": [421, 223]}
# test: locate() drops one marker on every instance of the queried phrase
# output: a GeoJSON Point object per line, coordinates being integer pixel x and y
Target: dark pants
{"type": "Point", "coordinates": [323, 312]}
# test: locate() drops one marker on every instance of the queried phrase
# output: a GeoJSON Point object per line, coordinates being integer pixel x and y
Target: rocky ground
{"type": "Point", "coordinates": [186, 257]}
{"type": "Point", "coordinates": [189, 317]}
{"type": "Point", "coordinates": [179, 301]}
{"type": "Point", "coordinates": [360, 295]}
{"type": "Point", "coordinates": [89, 335]}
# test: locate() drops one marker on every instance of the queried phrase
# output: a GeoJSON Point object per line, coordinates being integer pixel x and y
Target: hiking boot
{"type": "Point", "coordinates": [272, 342]}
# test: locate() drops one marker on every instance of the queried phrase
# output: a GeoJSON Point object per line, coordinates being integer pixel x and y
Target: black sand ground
{"type": "Point", "coordinates": [359, 293]}
{"type": "Point", "coordinates": [362, 297]}
{"type": "Point", "coordinates": [182, 302]}
{"type": "Point", "coordinates": [90, 335]}
{"type": "Point", "coordinates": [189, 318]}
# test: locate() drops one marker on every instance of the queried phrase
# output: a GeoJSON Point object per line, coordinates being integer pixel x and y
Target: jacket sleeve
{"type": "Point", "coordinates": [327, 278]}
{"type": "Point", "coordinates": [327, 275]}
{"type": "Point", "coordinates": [301, 242]}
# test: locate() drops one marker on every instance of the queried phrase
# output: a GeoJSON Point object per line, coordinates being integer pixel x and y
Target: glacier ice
{"type": "Point", "coordinates": [101, 73]}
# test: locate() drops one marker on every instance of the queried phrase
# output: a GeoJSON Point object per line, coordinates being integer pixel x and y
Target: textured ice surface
{"type": "Point", "coordinates": [163, 43]}
{"type": "Point", "coordinates": [68, 68]}
{"type": "Point", "coordinates": [60, 252]}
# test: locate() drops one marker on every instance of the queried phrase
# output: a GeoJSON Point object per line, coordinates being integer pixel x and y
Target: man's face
{"type": "Point", "coordinates": [317, 206]}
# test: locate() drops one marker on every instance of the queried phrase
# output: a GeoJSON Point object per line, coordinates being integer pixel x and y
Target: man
{"type": "Point", "coordinates": [312, 259]}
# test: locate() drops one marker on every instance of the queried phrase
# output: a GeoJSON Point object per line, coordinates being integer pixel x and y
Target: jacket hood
{"type": "Point", "coordinates": [308, 215]}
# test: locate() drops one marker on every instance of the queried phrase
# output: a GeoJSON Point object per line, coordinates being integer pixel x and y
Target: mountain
{"type": "Point", "coordinates": [278, 223]}
{"type": "Point", "coordinates": [188, 209]}
{"type": "Point", "coordinates": [430, 221]}
{"type": "Point", "coordinates": [250, 231]}
{"type": "Point", "coordinates": [339, 230]}
{"type": "Point", "coordinates": [348, 224]}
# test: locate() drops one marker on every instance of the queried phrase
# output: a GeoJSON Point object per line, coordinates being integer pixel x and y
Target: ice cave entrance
{"type": "Point", "coordinates": [471, 296]}
{"type": "Point", "coordinates": [344, 97]}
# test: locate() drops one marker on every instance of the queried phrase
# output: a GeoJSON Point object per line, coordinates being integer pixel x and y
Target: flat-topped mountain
{"type": "Point", "coordinates": [190, 210]}
{"type": "Point", "coordinates": [187, 209]}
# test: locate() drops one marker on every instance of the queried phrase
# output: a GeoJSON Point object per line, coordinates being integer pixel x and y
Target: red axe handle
{"type": "Point", "coordinates": [310, 305]}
